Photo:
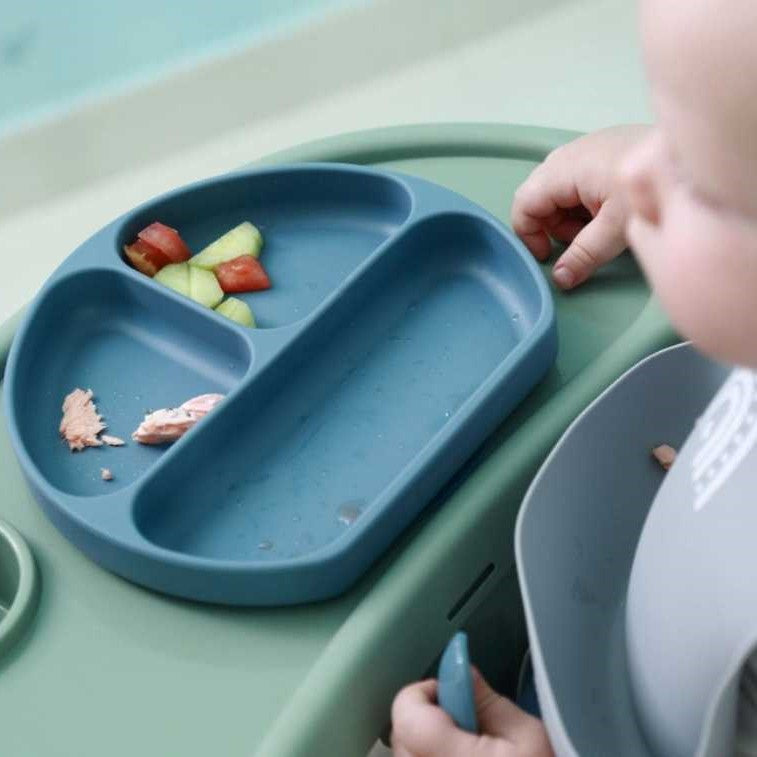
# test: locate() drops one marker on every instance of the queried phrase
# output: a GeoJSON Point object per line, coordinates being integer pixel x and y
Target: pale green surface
{"type": "Point", "coordinates": [112, 669]}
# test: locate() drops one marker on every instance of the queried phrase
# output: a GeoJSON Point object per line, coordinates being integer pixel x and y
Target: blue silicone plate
{"type": "Point", "coordinates": [403, 325]}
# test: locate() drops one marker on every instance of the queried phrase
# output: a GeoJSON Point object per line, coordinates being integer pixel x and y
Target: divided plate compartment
{"type": "Point", "coordinates": [403, 325]}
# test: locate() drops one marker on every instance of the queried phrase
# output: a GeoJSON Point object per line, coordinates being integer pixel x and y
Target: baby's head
{"type": "Point", "coordinates": [692, 186]}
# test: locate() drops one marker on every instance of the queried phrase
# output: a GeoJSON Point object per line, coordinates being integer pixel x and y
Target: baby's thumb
{"type": "Point", "coordinates": [597, 243]}
{"type": "Point", "coordinates": [502, 719]}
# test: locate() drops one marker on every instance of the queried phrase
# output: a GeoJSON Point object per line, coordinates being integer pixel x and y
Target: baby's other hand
{"type": "Point", "coordinates": [574, 197]}
{"type": "Point", "coordinates": [420, 728]}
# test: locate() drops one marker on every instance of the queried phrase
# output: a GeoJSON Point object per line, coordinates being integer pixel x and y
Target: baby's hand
{"type": "Point", "coordinates": [573, 197]}
{"type": "Point", "coordinates": [420, 728]}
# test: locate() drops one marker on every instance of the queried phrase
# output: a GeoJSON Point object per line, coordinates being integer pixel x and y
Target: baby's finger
{"type": "Point", "coordinates": [567, 230]}
{"type": "Point", "coordinates": [599, 242]}
{"type": "Point", "coordinates": [412, 697]}
{"type": "Point", "coordinates": [565, 225]}
{"type": "Point", "coordinates": [502, 719]}
{"type": "Point", "coordinates": [536, 202]}
{"type": "Point", "coordinates": [414, 713]}
{"type": "Point", "coordinates": [446, 740]}
{"type": "Point", "coordinates": [538, 244]}
{"type": "Point", "coordinates": [497, 715]}
{"type": "Point", "coordinates": [422, 729]}
{"type": "Point", "coordinates": [545, 191]}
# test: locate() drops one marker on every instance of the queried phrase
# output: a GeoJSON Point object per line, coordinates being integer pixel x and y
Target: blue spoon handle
{"type": "Point", "coordinates": [456, 684]}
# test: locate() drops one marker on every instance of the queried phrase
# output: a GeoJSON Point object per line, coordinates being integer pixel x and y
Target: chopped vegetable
{"type": "Point", "coordinates": [145, 258]}
{"type": "Point", "coordinates": [665, 455]}
{"type": "Point", "coordinates": [175, 276]}
{"type": "Point", "coordinates": [155, 247]}
{"type": "Point", "coordinates": [167, 240]}
{"type": "Point", "coordinates": [195, 283]}
{"type": "Point", "coordinates": [244, 239]}
{"type": "Point", "coordinates": [243, 274]}
{"type": "Point", "coordinates": [112, 441]}
{"type": "Point", "coordinates": [227, 265]}
{"type": "Point", "coordinates": [237, 311]}
{"type": "Point", "coordinates": [204, 287]}
{"type": "Point", "coordinates": [105, 474]}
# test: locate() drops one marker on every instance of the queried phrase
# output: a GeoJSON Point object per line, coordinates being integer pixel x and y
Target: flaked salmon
{"type": "Point", "coordinates": [169, 424]}
{"type": "Point", "coordinates": [82, 425]}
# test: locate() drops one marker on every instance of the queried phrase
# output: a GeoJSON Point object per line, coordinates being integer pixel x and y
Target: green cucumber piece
{"type": "Point", "coordinates": [244, 239]}
{"type": "Point", "coordinates": [237, 311]}
{"type": "Point", "coordinates": [204, 287]}
{"type": "Point", "coordinates": [175, 276]}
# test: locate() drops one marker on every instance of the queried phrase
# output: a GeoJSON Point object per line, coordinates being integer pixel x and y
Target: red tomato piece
{"type": "Point", "coordinates": [167, 240]}
{"type": "Point", "coordinates": [145, 258]}
{"type": "Point", "coordinates": [139, 261]}
{"type": "Point", "coordinates": [151, 252]}
{"type": "Point", "coordinates": [242, 274]}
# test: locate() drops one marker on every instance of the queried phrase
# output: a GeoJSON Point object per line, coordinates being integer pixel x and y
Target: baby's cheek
{"type": "Point", "coordinates": [708, 281]}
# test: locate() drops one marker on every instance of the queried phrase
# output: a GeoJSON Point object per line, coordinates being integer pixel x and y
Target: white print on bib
{"type": "Point", "coordinates": [727, 431]}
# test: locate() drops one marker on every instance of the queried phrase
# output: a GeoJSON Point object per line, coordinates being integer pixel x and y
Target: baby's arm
{"type": "Point", "coordinates": [420, 728]}
{"type": "Point", "coordinates": [573, 197]}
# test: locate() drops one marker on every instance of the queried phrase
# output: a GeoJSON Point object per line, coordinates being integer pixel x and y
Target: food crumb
{"type": "Point", "coordinates": [112, 441]}
{"type": "Point", "coordinates": [105, 474]}
{"type": "Point", "coordinates": [665, 455]}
